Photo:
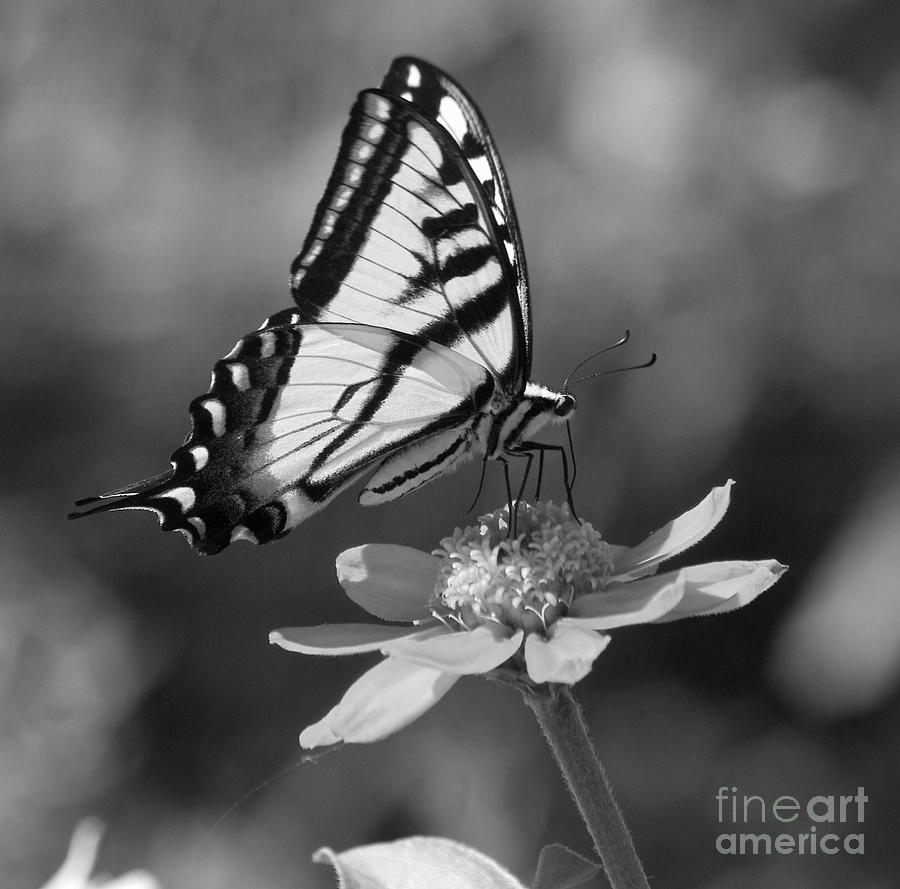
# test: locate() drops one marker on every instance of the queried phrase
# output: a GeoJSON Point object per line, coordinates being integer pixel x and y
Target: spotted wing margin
{"type": "Point", "coordinates": [295, 413]}
{"type": "Point", "coordinates": [442, 99]}
{"type": "Point", "coordinates": [404, 238]}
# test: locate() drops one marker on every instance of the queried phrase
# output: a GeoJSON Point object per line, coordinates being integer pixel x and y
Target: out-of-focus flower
{"type": "Point", "coordinates": [531, 610]}
{"type": "Point", "coordinates": [435, 861]}
{"type": "Point", "coordinates": [75, 872]}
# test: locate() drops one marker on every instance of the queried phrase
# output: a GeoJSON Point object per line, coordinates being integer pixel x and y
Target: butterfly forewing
{"type": "Point", "coordinates": [404, 238]}
{"type": "Point", "coordinates": [443, 100]}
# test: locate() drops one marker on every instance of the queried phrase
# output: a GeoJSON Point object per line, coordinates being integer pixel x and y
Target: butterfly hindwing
{"type": "Point", "coordinates": [294, 414]}
{"type": "Point", "coordinates": [419, 463]}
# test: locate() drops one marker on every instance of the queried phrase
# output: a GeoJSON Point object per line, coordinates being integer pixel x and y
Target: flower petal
{"type": "Point", "coordinates": [75, 871]}
{"type": "Point", "coordinates": [623, 604]}
{"type": "Point", "coordinates": [391, 582]}
{"type": "Point", "coordinates": [723, 586]}
{"type": "Point", "coordinates": [675, 537]}
{"type": "Point", "coordinates": [382, 701]}
{"type": "Point", "coordinates": [416, 861]}
{"type": "Point", "coordinates": [566, 656]}
{"type": "Point", "coordinates": [334, 639]}
{"type": "Point", "coordinates": [463, 653]}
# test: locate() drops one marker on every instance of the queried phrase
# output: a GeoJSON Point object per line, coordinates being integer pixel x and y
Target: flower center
{"type": "Point", "coordinates": [527, 583]}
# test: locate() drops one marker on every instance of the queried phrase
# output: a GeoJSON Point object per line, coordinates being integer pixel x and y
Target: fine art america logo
{"type": "Point", "coordinates": [791, 826]}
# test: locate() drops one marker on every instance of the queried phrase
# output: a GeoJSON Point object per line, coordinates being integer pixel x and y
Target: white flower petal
{"type": "Point", "coordinates": [75, 871]}
{"type": "Point", "coordinates": [134, 879]}
{"type": "Point", "coordinates": [675, 537]}
{"type": "Point", "coordinates": [79, 861]}
{"type": "Point", "coordinates": [415, 862]}
{"type": "Point", "coordinates": [391, 582]}
{"type": "Point", "coordinates": [624, 604]}
{"type": "Point", "coordinates": [566, 656]}
{"type": "Point", "coordinates": [382, 701]}
{"type": "Point", "coordinates": [723, 586]}
{"type": "Point", "coordinates": [462, 653]}
{"type": "Point", "coordinates": [619, 554]}
{"type": "Point", "coordinates": [335, 639]}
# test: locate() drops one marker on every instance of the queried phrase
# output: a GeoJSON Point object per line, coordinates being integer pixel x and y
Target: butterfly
{"type": "Point", "coordinates": [407, 352]}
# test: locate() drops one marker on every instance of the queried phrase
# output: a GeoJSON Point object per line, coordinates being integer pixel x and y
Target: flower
{"type": "Point", "coordinates": [75, 871]}
{"type": "Point", "coordinates": [532, 610]}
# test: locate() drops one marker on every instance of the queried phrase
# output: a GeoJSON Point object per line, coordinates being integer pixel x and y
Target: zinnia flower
{"type": "Point", "coordinates": [532, 610]}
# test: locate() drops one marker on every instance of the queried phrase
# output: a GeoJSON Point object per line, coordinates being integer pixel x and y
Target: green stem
{"type": "Point", "coordinates": [566, 732]}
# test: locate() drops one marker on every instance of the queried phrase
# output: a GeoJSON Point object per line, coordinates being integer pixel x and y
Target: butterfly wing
{"type": "Point", "coordinates": [407, 237]}
{"type": "Point", "coordinates": [294, 414]}
{"type": "Point", "coordinates": [412, 313]}
{"type": "Point", "coordinates": [442, 99]}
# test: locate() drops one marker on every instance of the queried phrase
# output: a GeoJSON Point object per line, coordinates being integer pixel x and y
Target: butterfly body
{"type": "Point", "coordinates": [408, 351]}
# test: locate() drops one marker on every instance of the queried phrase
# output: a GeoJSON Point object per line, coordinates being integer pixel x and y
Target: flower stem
{"type": "Point", "coordinates": [562, 722]}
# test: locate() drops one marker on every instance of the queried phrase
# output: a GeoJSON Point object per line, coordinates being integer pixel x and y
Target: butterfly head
{"type": "Point", "coordinates": [538, 407]}
{"type": "Point", "coordinates": [564, 406]}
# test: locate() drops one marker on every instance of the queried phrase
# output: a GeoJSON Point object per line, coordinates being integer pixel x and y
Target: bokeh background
{"type": "Point", "coordinates": [721, 176]}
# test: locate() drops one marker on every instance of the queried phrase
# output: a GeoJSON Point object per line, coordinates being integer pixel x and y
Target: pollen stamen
{"type": "Point", "coordinates": [526, 583]}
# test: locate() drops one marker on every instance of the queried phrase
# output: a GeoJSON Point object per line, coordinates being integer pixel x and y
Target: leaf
{"type": "Point", "coordinates": [559, 868]}
{"type": "Point", "coordinates": [414, 863]}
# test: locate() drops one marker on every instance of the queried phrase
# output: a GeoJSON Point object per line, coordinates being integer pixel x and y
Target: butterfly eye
{"type": "Point", "coordinates": [565, 405]}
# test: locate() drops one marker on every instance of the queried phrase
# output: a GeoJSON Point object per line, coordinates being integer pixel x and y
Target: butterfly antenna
{"type": "Point", "coordinates": [605, 373]}
{"type": "Point", "coordinates": [620, 342]}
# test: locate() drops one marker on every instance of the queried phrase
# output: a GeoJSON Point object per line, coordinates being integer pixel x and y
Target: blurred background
{"type": "Point", "coordinates": [721, 177]}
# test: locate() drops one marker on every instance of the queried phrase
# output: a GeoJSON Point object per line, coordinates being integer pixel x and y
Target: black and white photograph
{"type": "Point", "coordinates": [450, 444]}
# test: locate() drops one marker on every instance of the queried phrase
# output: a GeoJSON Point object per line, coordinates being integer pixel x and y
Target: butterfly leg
{"type": "Point", "coordinates": [512, 507]}
{"type": "Point", "coordinates": [480, 483]}
{"type": "Point", "coordinates": [536, 446]}
{"type": "Point", "coordinates": [540, 478]}
{"type": "Point", "coordinates": [572, 452]}
{"type": "Point", "coordinates": [530, 457]}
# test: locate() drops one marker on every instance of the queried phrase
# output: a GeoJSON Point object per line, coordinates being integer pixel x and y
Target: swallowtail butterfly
{"type": "Point", "coordinates": [408, 350]}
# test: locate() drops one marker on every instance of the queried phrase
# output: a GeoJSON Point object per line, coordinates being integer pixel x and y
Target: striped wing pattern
{"type": "Point", "coordinates": [404, 238]}
{"type": "Point", "coordinates": [443, 100]}
{"type": "Point", "coordinates": [293, 416]}
{"type": "Point", "coordinates": [410, 331]}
